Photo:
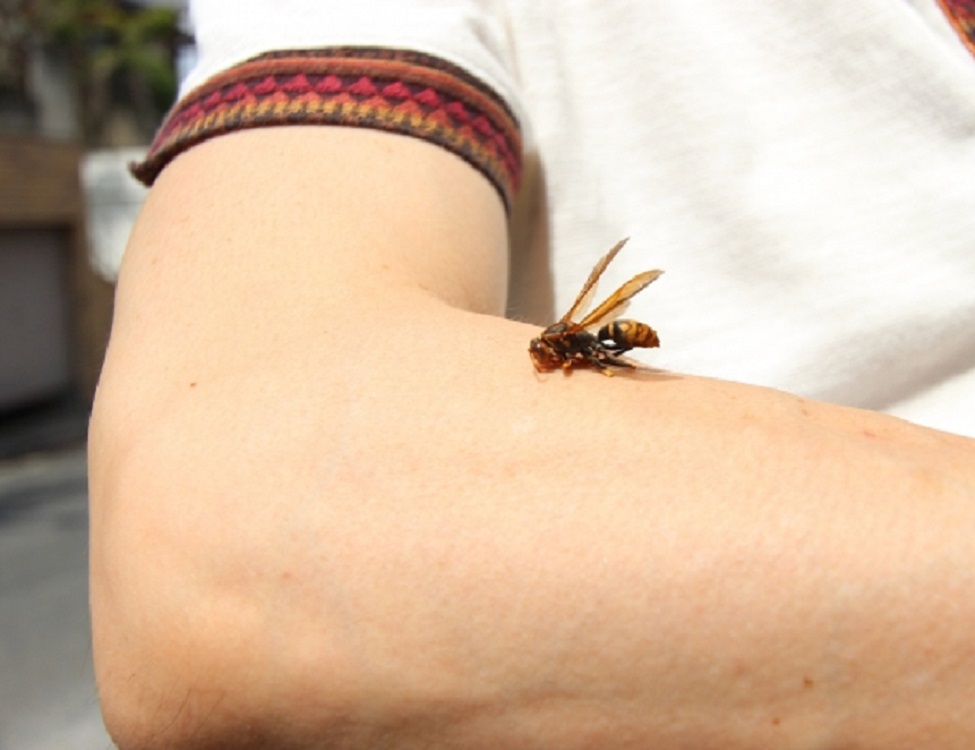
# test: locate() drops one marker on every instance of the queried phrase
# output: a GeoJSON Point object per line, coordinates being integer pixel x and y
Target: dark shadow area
{"type": "Point", "coordinates": [47, 425]}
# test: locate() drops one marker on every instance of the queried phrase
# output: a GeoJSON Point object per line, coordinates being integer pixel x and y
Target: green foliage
{"type": "Point", "coordinates": [113, 42]}
{"type": "Point", "coordinates": [119, 56]}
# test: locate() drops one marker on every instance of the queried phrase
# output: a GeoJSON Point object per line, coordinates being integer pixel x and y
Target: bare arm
{"type": "Point", "coordinates": [332, 505]}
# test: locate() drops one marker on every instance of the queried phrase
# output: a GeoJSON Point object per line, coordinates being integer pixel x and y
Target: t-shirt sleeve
{"type": "Point", "coordinates": [438, 70]}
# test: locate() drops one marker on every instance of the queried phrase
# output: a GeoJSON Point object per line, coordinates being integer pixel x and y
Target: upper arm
{"type": "Point", "coordinates": [288, 227]}
{"type": "Point", "coordinates": [290, 240]}
{"type": "Point", "coordinates": [314, 201]}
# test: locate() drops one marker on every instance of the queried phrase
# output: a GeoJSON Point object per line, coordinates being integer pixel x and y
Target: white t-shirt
{"type": "Point", "coordinates": [804, 172]}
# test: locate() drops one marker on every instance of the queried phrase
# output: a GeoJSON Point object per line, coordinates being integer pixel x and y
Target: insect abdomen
{"type": "Point", "coordinates": [621, 335]}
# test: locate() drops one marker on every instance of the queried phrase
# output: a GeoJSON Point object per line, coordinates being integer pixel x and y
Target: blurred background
{"type": "Point", "coordinates": [83, 86]}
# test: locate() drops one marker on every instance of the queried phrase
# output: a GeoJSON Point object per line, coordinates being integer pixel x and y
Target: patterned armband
{"type": "Point", "coordinates": [396, 91]}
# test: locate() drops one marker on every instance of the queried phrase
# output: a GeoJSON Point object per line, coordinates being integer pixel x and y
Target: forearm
{"type": "Point", "coordinates": [375, 523]}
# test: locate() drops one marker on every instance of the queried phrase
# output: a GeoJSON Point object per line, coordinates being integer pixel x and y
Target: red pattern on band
{"type": "Point", "coordinates": [397, 91]}
{"type": "Point", "coordinates": [961, 14]}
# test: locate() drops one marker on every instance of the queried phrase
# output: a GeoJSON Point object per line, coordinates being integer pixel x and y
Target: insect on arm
{"type": "Point", "coordinates": [567, 344]}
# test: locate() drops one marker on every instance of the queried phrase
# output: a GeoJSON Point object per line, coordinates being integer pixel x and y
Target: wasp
{"type": "Point", "coordinates": [568, 344]}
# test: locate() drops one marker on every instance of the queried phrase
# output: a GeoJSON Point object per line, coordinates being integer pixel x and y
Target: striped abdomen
{"type": "Point", "coordinates": [623, 335]}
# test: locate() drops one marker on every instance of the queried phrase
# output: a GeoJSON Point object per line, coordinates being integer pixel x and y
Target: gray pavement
{"type": "Point", "coordinates": [47, 691]}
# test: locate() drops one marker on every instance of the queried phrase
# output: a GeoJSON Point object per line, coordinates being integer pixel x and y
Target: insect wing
{"type": "Point", "coordinates": [590, 286]}
{"type": "Point", "coordinates": [613, 305]}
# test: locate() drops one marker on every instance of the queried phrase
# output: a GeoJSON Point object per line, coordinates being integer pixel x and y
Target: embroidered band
{"type": "Point", "coordinates": [961, 13]}
{"type": "Point", "coordinates": [397, 91]}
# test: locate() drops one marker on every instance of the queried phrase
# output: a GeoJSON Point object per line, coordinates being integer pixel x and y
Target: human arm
{"type": "Point", "coordinates": [333, 506]}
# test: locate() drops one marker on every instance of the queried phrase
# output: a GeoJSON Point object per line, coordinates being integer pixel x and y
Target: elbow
{"type": "Point", "coordinates": [156, 642]}
{"type": "Point", "coordinates": [193, 647]}
{"type": "Point", "coordinates": [241, 549]}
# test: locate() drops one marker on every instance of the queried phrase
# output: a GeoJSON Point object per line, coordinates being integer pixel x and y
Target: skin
{"type": "Point", "coordinates": [333, 505]}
